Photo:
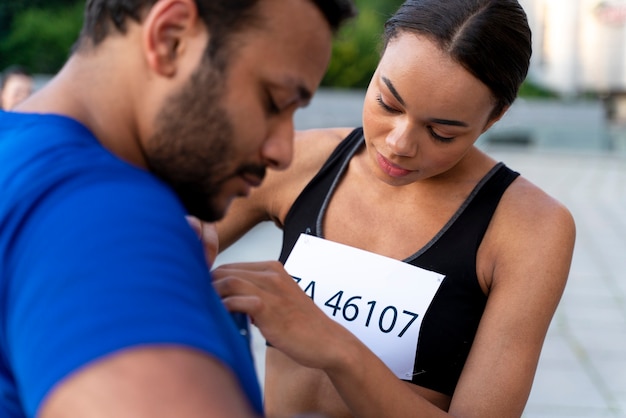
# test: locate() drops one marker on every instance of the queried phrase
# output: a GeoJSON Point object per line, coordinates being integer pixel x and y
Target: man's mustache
{"type": "Point", "coordinates": [255, 170]}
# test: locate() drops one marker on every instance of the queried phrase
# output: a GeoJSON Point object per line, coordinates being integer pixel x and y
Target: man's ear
{"type": "Point", "coordinates": [166, 31]}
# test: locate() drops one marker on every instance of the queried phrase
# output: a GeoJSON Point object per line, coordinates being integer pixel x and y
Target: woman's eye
{"type": "Point", "coordinates": [439, 137]}
{"type": "Point", "coordinates": [385, 106]}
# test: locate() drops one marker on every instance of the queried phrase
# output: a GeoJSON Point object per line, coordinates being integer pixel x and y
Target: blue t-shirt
{"type": "Point", "coordinates": [95, 256]}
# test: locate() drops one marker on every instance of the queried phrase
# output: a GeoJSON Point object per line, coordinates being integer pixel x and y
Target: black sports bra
{"type": "Point", "coordinates": [450, 324]}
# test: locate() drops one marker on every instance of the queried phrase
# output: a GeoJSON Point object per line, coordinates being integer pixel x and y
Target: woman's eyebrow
{"type": "Point", "coordinates": [393, 90]}
{"type": "Point", "coordinates": [438, 121]}
{"type": "Point", "coordinates": [448, 122]}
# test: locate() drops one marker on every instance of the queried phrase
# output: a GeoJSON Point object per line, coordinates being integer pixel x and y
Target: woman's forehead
{"type": "Point", "coordinates": [425, 75]}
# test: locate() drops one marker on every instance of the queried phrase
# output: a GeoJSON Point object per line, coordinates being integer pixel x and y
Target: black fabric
{"type": "Point", "coordinates": [450, 324]}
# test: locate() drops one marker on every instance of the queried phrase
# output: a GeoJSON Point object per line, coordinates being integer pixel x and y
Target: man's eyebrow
{"type": "Point", "coordinates": [393, 90]}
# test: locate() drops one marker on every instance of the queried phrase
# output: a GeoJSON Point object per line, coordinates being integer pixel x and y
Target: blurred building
{"type": "Point", "coordinates": [579, 46]}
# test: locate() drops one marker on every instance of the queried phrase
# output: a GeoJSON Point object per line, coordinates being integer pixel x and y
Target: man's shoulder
{"type": "Point", "coordinates": [50, 154]}
{"type": "Point", "coordinates": [65, 177]}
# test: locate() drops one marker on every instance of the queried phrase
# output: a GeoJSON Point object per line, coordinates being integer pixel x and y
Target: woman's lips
{"type": "Point", "coordinates": [390, 168]}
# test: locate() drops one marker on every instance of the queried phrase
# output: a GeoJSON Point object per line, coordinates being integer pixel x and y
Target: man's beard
{"type": "Point", "coordinates": [193, 144]}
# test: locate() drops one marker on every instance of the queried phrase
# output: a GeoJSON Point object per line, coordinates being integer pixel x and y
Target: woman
{"type": "Point", "coordinates": [410, 186]}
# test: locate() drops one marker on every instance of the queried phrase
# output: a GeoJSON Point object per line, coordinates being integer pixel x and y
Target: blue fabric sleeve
{"type": "Point", "coordinates": [108, 265]}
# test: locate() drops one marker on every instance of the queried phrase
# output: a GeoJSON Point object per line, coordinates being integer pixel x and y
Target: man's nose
{"type": "Point", "coordinates": [277, 151]}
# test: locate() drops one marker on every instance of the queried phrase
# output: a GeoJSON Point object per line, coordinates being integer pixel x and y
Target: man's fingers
{"type": "Point", "coordinates": [249, 304]}
{"type": "Point", "coordinates": [255, 266]}
{"type": "Point", "coordinates": [268, 275]}
{"type": "Point", "coordinates": [233, 285]}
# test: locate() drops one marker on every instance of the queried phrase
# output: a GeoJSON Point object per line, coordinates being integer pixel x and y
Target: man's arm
{"type": "Point", "coordinates": [149, 381]}
{"type": "Point", "coordinates": [123, 321]}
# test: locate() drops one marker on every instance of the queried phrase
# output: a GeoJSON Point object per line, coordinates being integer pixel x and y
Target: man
{"type": "Point", "coordinates": [15, 86]}
{"type": "Point", "coordinates": [107, 306]}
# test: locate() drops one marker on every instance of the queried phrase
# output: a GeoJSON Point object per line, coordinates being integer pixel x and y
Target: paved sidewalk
{"type": "Point", "coordinates": [582, 370]}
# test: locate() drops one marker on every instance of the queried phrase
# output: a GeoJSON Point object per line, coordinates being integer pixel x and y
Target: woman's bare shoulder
{"type": "Point", "coordinates": [533, 227]}
{"type": "Point", "coordinates": [525, 201]}
{"type": "Point", "coordinates": [312, 148]}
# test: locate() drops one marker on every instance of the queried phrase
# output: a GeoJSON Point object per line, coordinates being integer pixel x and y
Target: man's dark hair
{"type": "Point", "coordinates": [223, 17]}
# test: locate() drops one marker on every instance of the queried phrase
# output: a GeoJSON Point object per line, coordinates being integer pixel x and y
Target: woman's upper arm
{"type": "Point", "coordinates": [272, 200]}
{"type": "Point", "coordinates": [527, 256]}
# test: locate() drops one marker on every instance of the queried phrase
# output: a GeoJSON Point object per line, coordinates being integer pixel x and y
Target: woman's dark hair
{"type": "Point", "coordinates": [223, 17]}
{"type": "Point", "coordinates": [490, 38]}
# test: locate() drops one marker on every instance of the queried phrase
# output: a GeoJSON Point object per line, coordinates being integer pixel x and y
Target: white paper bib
{"type": "Point", "coordinates": [380, 300]}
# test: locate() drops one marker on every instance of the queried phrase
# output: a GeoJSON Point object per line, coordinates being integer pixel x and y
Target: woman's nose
{"type": "Point", "coordinates": [402, 142]}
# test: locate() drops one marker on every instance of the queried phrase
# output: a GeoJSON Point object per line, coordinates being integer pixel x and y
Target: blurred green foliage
{"type": "Point", "coordinates": [530, 89]}
{"type": "Point", "coordinates": [40, 37]}
{"type": "Point", "coordinates": [357, 47]}
{"type": "Point", "coordinates": [10, 8]}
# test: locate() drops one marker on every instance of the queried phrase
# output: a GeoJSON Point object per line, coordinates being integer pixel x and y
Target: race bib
{"type": "Point", "coordinates": [380, 300]}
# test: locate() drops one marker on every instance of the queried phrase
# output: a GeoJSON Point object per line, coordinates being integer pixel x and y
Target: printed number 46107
{"type": "Point", "coordinates": [387, 318]}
